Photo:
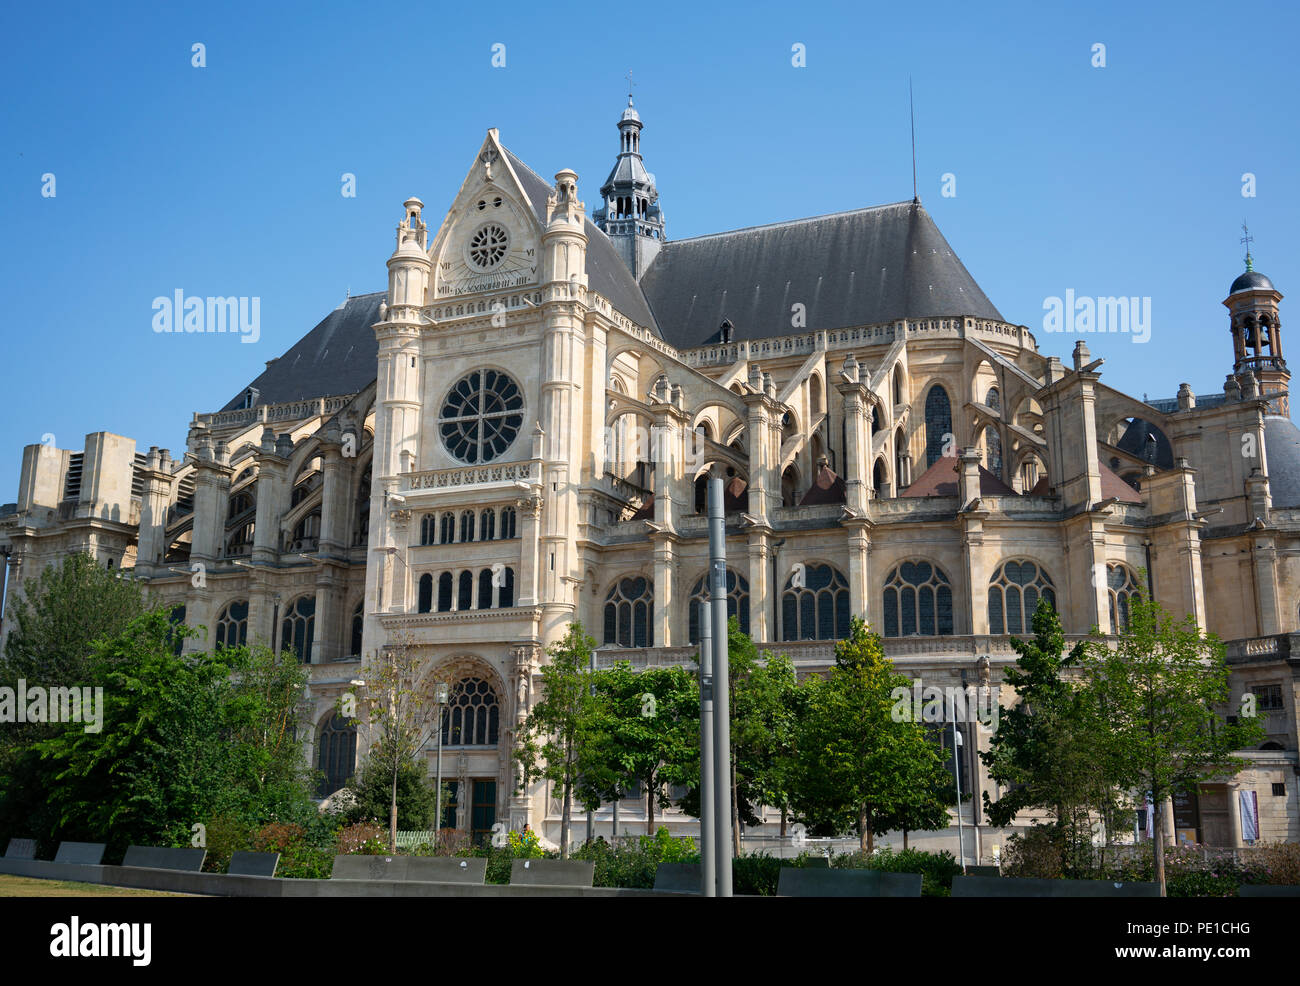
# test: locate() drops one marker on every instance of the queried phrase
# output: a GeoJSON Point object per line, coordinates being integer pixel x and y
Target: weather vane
{"type": "Point", "coordinates": [630, 83]}
{"type": "Point", "coordinates": [1247, 239]}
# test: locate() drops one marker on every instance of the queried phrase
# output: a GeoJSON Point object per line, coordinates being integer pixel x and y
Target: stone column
{"type": "Point", "coordinates": [524, 662]}
{"type": "Point", "coordinates": [154, 505]}
{"type": "Point", "coordinates": [761, 588]}
{"type": "Point", "coordinates": [1234, 814]}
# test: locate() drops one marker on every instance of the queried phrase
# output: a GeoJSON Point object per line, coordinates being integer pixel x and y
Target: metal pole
{"type": "Point", "coordinates": [708, 842]}
{"type": "Point", "coordinates": [591, 817]}
{"type": "Point", "coordinates": [721, 689]}
{"type": "Point", "coordinates": [956, 773]}
{"type": "Point", "coordinates": [441, 695]}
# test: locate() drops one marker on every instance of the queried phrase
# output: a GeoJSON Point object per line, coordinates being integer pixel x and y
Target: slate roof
{"type": "Point", "coordinates": [942, 479]}
{"type": "Point", "coordinates": [826, 488]}
{"type": "Point", "coordinates": [1282, 447]}
{"type": "Point", "coordinates": [1112, 485]}
{"type": "Point", "coordinates": [849, 268]}
{"type": "Point", "coordinates": [606, 272]}
{"type": "Point", "coordinates": [339, 356]}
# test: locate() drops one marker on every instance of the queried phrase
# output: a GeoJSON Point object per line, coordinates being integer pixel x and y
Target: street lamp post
{"type": "Point", "coordinates": [440, 696]}
{"type": "Point", "coordinates": [956, 773]}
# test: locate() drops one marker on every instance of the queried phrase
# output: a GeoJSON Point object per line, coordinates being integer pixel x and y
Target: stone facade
{"type": "Point", "coordinates": [530, 450]}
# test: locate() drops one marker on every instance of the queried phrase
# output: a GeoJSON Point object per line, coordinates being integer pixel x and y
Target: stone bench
{"type": "Point", "coordinates": [410, 869]}
{"type": "Point", "coordinates": [552, 873]}
{"type": "Point", "coordinates": [1003, 886]}
{"type": "Point", "coordinates": [81, 853]}
{"type": "Point", "coordinates": [818, 882]}
{"type": "Point", "coordinates": [162, 858]}
{"type": "Point", "coordinates": [1268, 890]}
{"type": "Point", "coordinates": [253, 863]}
{"type": "Point", "coordinates": [358, 867]}
{"type": "Point", "coordinates": [678, 878]}
{"type": "Point", "coordinates": [21, 849]}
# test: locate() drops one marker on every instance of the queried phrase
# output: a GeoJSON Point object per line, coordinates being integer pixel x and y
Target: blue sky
{"type": "Point", "coordinates": [225, 180]}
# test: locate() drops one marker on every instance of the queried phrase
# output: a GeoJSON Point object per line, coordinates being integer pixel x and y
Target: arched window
{"type": "Point", "coordinates": [444, 592]}
{"type": "Point", "coordinates": [358, 624]}
{"type": "Point", "coordinates": [428, 529]}
{"type": "Point", "coordinates": [506, 592]}
{"type": "Point", "coordinates": [898, 384]}
{"type": "Point", "coordinates": [447, 528]}
{"type": "Point", "coordinates": [465, 591]}
{"type": "Point", "coordinates": [487, 525]}
{"type": "Point", "coordinates": [1014, 592]}
{"type": "Point", "coordinates": [485, 589]}
{"type": "Point", "coordinates": [628, 611]}
{"type": "Point", "coordinates": [993, 451]}
{"type": "Point", "coordinates": [232, 625]}
{"type": "Point", "coordinates": [473, 715]}
{"type": "Point", "coordinates": [1121, 587]}
{"type": "Point", "coordinates": [938, 424]}
{"type": "Point", "coordinates": [307, 532]}
{"type": "Point", "coordinates": [918, 601]}
{"type": "Point", "coordinates": [361, 532]}
{"type": "Point", "coordinates": [298, 628]}
{"type": "Point", "coordinates": [508, 523]}
{"type": "Point", "coordinates": [737, 603]}
{"type": "Point", "coordinates": [425, 604]}
{"type": "Point", "coordinates": [994, 399]}
{"type": "Point", "coordinates": [879, 480]}
{"type": "Point", "coordinates": [819, 608]}
{"type": "Point", "coordinates": [790, 487]}
{"type": "Point", "coordinates": [177, 619]}
{"type": "Point", "coordinates": [900, 454]}
{"type": "Point", "coordinates": [467, 526]}
{"type": "Point", "coordinates": [336, 753]}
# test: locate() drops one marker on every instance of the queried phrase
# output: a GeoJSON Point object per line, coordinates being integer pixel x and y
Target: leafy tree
{"type": "Point", "coordinates": [559, 726]}
{"type": "Point", "coordinates": [1050, 750]}
{"type": "Point", "coordinates": [856, 759]}
{"type": "Point", "coordinates": [400, 713]}
{"type": "Point", "coordinates": [1156, 691]}
{"type": "Point", "coordinates": [372, 793]}
{"type": "Point", "coordinates": [59, 615]}
{"type": "Point", "coordinates": [646, 731]}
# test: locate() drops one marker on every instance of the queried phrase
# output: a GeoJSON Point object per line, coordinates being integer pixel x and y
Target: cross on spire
{"type": "Point", "coordinates": [1247, 239]}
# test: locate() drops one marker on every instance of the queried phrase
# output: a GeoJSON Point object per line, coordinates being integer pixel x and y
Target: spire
{"type": "Point", "coordinates": [1247, 239]}
{"type": "Point", "coordinates": [630, 215]}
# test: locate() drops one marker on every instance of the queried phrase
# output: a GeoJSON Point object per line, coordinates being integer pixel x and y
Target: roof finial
{"type": "Point", "coordinates": [1247, 239]}
{"type": "Point", "coordinates": [911, 109]}
{"type": "Point", "coordinates": [630, 84]}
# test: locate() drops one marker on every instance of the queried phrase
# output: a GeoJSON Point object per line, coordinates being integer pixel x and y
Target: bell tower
{"type": "Point", "coordinates": [1257, 333]}
{"type": "Point", "coordinates": [631, 216]}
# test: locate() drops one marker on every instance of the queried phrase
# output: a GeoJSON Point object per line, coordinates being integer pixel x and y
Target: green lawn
{"type": "Point", "coordinates": [21, 886]}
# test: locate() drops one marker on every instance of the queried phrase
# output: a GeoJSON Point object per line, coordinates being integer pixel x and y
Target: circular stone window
{"type": "Point", "coordinates": [488, 246]}
{"type": "Point", "coordinates": [481, 416]}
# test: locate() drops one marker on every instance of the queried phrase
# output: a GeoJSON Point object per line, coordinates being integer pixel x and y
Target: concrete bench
{"type": "Point", "coordinates": [1268, 890]}
{"type": "Point", "coordinates": [552, 873]}
{"type": "Point", "coordinates": [983, 871]}
{"type": "Point", "coordinates": [447, 869]}
{"type": "Point", "coordinates": [804, 882]}
{"type": "Point", "coordinates": [358, 867]}
{"type": "Point", "coordinates": [82, 853]}
{"type": "Point", "coordinates": [995, 886]}
{"type": "Point", "coordinates": [163, 858]}
{"type": "Point", "coordinates": [21, 849]}
{"type": "Point", "coordinates": [678, 878]}
{"type": "Point", "coordinates": [253, 863]}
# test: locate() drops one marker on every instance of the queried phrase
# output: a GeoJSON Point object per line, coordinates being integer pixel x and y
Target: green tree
{"type": "Point", "coordinates": [56, 620]}
{"type": "Point", "coordinates": [1158, 690]}
{"type": "Point", "coordinates": [856, 759]}
{"type": "Point", "coordinates": [1050, 751]}
{"type": "Point", "coordinates": [559, 726]}
{"type": "Point", "coordinates": [646, 732]}
{"type": "Point", "coordinates": [398, 710]}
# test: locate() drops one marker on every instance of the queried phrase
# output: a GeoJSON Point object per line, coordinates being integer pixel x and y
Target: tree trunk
{"type": "Point", "coordinates": [783, 818]}
{"type": "Point", "coordinates": [1158, 831]}
{"type": "Point", "coordinates": [862, 828]}
{"type": "Point", "coordinates": [735, 812]}
{"type": "Point", "coordinates": [564, 819]}
{"type": "Point", "coordinates": [649, 810]}
{"type": "Point", "coordinates": [904, 840]}
{"type": "Point", "coordinates": [392, 816]}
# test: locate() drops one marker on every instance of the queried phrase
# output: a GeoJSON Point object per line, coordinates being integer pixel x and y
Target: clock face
{"type": "Point", "coordinates": [490, 252]}
{"type": "Point", "coordinates": [488, 246]}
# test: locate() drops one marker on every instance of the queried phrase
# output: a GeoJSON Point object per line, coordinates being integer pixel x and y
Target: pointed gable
{"type": "Point", "coordinates": [826, 488]}
{"type": "Point", "coordinates": [942, 479]}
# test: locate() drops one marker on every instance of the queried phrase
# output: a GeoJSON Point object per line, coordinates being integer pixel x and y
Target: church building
{"type": "Point", "coordinates": [516, 432]}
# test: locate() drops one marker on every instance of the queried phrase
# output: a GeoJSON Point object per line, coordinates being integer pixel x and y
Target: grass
{"type": "Point", "coordinates": [21, 886]}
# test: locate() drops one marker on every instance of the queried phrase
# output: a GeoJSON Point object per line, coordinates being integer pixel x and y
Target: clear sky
{"type": "Point", "coordinates": [226, 180]}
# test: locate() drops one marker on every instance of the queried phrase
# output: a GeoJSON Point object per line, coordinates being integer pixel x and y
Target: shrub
{"type": "Point", "coordinates": [299, 857]}
{"type": "Point", "coordinates": [936, 868]}
{"type": "Point", "coordinates": [1035, 854]}
{"type": "Point", "coordinates": [363, 838]}
{"type": "Point", "coordinates": [226, 835]}
{"type": "Point", "coordinates": [633, 862]}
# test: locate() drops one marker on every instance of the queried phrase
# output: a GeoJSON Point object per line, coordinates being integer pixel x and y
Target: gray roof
{"type": "Point", "coordinates": [850, 268]}
{"type": "Point", "coordinates": [339, 356]}
{"type": "Point", "coordinates": [1282, 446]}
{"type": "Point", "coordinates": [1252, 280]}
{"type": "Point", "coordinates": [606, 272]}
